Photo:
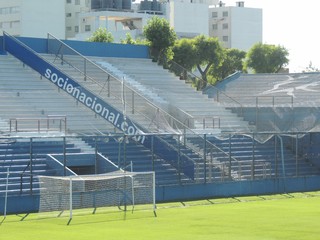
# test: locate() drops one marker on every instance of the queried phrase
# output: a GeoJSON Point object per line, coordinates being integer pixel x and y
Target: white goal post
{"type": "Point", "coordinates": [120, 189]}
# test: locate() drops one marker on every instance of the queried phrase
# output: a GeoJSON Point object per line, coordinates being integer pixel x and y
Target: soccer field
{"type": "Point", "coordinates": [288, 216]}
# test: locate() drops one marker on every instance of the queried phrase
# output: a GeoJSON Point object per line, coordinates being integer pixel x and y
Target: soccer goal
{"type": "Point", "coordinates": [119, 189]}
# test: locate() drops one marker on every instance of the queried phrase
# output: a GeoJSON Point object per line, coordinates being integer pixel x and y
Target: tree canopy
{"type": "Point", "coordinates": [101, 35]}
{"type": "Point", "coordinates": [232, 61]}
{"type": "Point", "coordinates": [184, 53]}
{"type": "Point", "coordinates": [209, 53]}
{"type": "Point", "coordinates": [200, 52]}
{"type": "Point", "coordinates": [266, 58]}
{"type": "Point", "coordinates": [160, 36]}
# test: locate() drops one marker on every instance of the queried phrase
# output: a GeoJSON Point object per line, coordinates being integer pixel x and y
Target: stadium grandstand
{"type": "Point", "coordinates": [70, 108]}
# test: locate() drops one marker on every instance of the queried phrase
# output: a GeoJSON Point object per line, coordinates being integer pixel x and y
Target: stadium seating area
{"type": "Point", "coordinates": [191, 137]}
{"type": "Point", "coordinates": [15, 157]}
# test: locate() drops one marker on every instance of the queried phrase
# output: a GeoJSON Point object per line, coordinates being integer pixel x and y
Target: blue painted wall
{"type": "Point", "coordinates": [30, 203]}
{"type": "Point", "coordinates": [89, 48]}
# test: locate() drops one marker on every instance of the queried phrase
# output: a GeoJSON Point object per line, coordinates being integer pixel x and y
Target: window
{"type": "Point", "coordinates": [225, 14]}
{"type": "Point", "coordinates": [214, 14]}
{"type": "Point", "coordinates": [225, 26]}
{"type": "Point", "coordinates": [76, 29]}
{"type": "Point", "coordinates": [225, 38]}
{"type": "Point", "coordinates": [15, 24]}
{"type": "Point", "coordinates": [14, 10]}
{"type": "Point", "coordinates": [68, 14]}
{"type": "Point", "coordinates": [77, 2]}
{"type": "Point", "coordinates": [214, 26]}
{"type": "Point", "coordinates": [69, 29]}
{"type": "Point", "coordinates": [87, 28]}
{"type": "Point", "coordinates": [68, 1]}
{"type": "Point", "coordinates": [4, 11]}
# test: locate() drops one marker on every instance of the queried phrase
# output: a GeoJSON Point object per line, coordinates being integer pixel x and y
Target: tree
{"type": "Point", "coordinates": [208, 53]}
{"type": "Point", "coordinates": [101, 35]}
{"type": "Point", "coordinates": [161, 38]}
{"type": "Point", "coordinates": [128, 40]}
{"type": "Point", "coordinates": [184, 53]}
{"type": "Point", "coordinates": [201, 53]}
{"type": "Point", "coordinates": [232, 61]}
{"type": "Point", "coordinates": [265, 58]}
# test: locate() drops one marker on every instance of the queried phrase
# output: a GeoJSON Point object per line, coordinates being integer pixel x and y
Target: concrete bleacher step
{"type": "Point", "coordinates": [167, 83]}
{"type": "Point", "coordinates": [27, 95]}
{"type": "Point", "coordinates": [174, 90]}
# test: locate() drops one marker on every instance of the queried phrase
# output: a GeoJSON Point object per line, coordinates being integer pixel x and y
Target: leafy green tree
{"type": "Point", "coordinates": [128, 39]}
{"type": "Point", "coordinates": [267, 58]}
{"type": "Point", "coordinates": [101, 35]}
{"type": "Point", "coordinates": [184, 53]}
{"type": "Point", "coordinates": [232, 61]}
{"type": "Point", "coordinates": [161, 38]}
{"type": "Point", "coordinates": [208, 53]}
{"type": "Point", "coordinates": [200, 53]}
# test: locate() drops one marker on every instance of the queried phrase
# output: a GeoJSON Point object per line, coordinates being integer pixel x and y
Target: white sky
{"type": "Point", "coordinates": [293, 25]}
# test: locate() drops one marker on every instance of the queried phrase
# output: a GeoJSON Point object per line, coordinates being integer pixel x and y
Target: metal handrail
{"type": "Point", "coordinates": [21, 177]}
{"type": "Point", "coordinates": [181, 153]}
{"type": "Point", "coordinates": [14, 123]}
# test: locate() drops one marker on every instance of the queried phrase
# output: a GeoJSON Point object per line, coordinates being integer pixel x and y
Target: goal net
{"type": "Point", "coordinates": [120, 189]}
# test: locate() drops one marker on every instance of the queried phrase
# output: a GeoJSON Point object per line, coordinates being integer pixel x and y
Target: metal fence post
{"type": "Point", "coordinates": [229, 171]}
{"type": "Point", "coordinates": [205, 157]}
{"type": "Point", "coordinates": [64, 157]}
{"type": "Point", "coordinates": [31, 160]}
{"type": "Point", "coordinates": [179, 159]}
{"type": "Point", "coordinates": [253, 159]}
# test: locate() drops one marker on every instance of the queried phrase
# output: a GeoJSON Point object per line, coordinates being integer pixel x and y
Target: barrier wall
{"type": "Point", "coordinates": [88, 48]}
{"type": "Point", "coordinates": [195, 191]}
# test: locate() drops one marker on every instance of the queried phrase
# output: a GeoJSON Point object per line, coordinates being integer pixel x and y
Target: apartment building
{"type": "Point", "coordinates": [236, 26]}
{"type": "Point", "coordinates": [35, 18]}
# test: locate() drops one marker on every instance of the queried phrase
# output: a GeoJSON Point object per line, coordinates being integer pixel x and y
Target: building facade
{"type": "Point", "coordinates": [188, 18]}
{"type": "Point", "coordinates": [35, 18]}
{"type": "Point", "coordinates": [236, 26]}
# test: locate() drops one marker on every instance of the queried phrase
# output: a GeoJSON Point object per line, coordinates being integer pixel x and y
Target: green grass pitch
{"type": "Point", "coordinates": [288, 216]}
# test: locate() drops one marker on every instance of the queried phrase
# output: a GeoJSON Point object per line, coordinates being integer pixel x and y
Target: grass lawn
{"type": "Point", "coordinates": [294, 216]}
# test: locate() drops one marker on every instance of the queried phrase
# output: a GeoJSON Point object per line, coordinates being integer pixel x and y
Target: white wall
{"type": "Point", "coordinates": [188, 18]}
{"type": "Point", "coordinates": [246, 26]}
{"type": "Point", "coordinates": [38, 17]}
{"type": "Point", "coordinates": [10, 22]}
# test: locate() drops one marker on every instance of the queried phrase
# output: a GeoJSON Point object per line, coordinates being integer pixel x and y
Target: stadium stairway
{"type": "Point", "coordinates": [132, 156]}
